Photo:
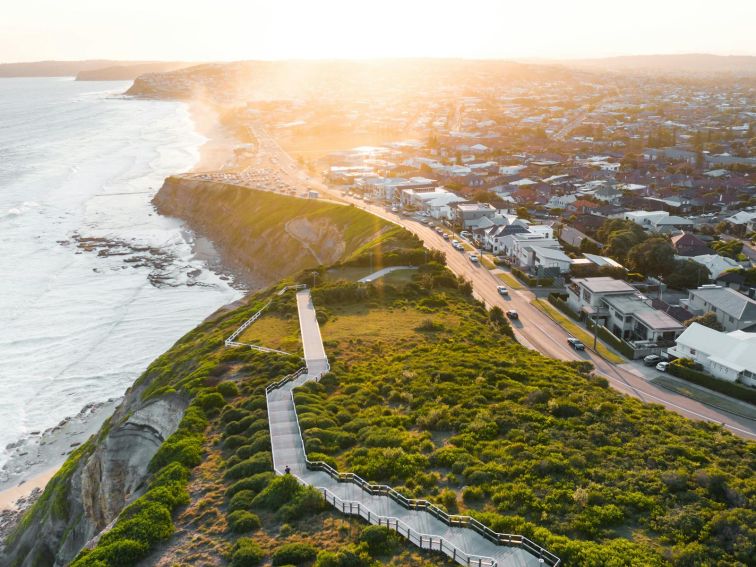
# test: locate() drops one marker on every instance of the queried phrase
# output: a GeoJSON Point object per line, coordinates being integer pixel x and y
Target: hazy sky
{"type": "Point", "coordinates": [200, 30]}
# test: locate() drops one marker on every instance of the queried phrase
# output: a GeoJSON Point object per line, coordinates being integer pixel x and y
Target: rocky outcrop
{"type": "Point", "coordinates": [86, 497]}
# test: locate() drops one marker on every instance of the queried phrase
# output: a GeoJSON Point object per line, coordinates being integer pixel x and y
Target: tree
{"type": "Point", "coordinates": [687, 274]}
{"type": "Point", "coordinates": [654, 256]}
{"type": "Point", "coordinates": [728, 248]}
{"type": "Point", "coordinates": [523, 213]}
{"type": "Point", "coordinates": [708, 319]}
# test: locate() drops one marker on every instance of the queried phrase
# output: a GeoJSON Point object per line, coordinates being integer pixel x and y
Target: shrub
{"type": "Point", "coordinates": [210, 401]}
{"type": "Point", "coordinates": [253, 483]}
{"type": "Point", "coordinates": [240, 521]}
{"type": "Point", "coordinates": [246, 553]}
{"type": "Point", "coordinates": [228, 389]}
{"type": "Point", "coordinates": [186, 451]}
{"type": "Point", "coordinates": [294, 554]}
{"type": "Point", "coordinates": [242, 500]}
{"type": "Point", "coordinates": [259, 463]}
{"type": "Point", "coordinates": [305, 502]}
{"type": "Point", "coordinates": [379, 540]}
{"type": "Point", "coordinates": [146, 523]}
{"type": "Point", "coordinates": [123, 553]}
{"type": "Point", "coordinates": [277, 493]}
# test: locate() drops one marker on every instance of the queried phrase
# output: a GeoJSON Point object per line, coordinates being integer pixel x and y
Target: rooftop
{"type": "Point", "coordinates": [727, 300]}
{"type": "Point", "coordinates": [605, 285]}
{"type": "Point", "coordinates": [736, 350]}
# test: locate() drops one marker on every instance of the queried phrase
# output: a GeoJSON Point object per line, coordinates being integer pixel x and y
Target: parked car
{"type": "Point", "coordinates": [474, 258]}
{"type": "Point", "coordinates": [458, 246]}
{"type": "Point", "coordinates": [651, 360]}
{"type": "Point", "coordinates": [662, 366]}
{"type": "Point", "coordinates": [465, 234]}
{"type": "Point", "coordinates": [512, 314]}
{"type": "Point", "coordinates": [446, 236]}
{"type": "Point", "coordinates": [575, 343]}
{"type": "Point", "coordinates": [502, 290]}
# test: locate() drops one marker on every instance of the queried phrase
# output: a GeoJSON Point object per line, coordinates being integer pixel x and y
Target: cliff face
{"type": "Point", "coordinates": [263, 236]}
{"type": "Point", "coordinates": [91, 490]}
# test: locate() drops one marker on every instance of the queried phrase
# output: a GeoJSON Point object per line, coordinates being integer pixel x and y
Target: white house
{"type": "Point", "coordinates": [742, 217]}
{"type": "Point", "coordinates": [715, 263]}
{"type": "Point", "coordinates": [734, 310]}
{"type": "Point", "coordinates": [729, 356]}
{"type": "Point", "coordinates": [560, 201]}
{"type": "Point", "coordinates": [620, 308]}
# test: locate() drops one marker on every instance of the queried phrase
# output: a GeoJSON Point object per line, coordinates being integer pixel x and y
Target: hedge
{"type": "Point", "coordinates": [608, 337]}
{"type": "Point", "coordinates": [557, 301]}
{"type": "Point", "coordinates": [737, 391]}
{"type": "Point", "coordinates": [530, 281]}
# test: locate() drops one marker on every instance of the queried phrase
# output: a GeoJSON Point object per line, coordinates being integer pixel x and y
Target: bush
{"type": "Point", "coordinates": [242, 500]}
{"type": "Point", "coordinates": [254, 483]}
{"type": "Point", "coordinates": [240, 521]}
{"type": "Point", "coordinates": [279, 492]}
{"type": "Point", "coordinates": [246, 553]}
{"type": "Point", "coordinates": [210, 402]}
{"type": "Point", "coordinates": [119, 554]}
{"type": "Point", "coordinates": [294, 554]}
{"type": "Point", "coordinates": [227, 389]}
{"type": "Point", "coordinates": [259, 463]}
{"type": "Point", "coordinates": [146, 523]}
{"type": "Point", "coordinates": [681, 369]}
{"type": "Point", "coordinates": [187, 451]}
{"type": "Point", "coordinates": [379, 540]}
{"type": "Point", "coordinates": [306, 501]}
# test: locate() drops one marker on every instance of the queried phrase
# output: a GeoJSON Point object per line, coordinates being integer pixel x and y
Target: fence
{"type": "Point", "coordinates": [231, 340]}
{"type": "Point", "coordinates": [455, 521]}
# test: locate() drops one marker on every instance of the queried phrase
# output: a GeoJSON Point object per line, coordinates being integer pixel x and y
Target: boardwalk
{"type": "Point", "coordinates": [288, 450]}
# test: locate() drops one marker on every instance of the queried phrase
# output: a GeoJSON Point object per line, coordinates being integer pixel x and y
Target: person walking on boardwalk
{"type": "Point", "coordinates": [287, 470]}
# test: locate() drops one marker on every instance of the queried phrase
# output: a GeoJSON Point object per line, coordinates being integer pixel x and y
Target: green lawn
{"type": "Point", "coordinates": [577, 331]}
{"type": "Point", "coordinates": [511, 281]}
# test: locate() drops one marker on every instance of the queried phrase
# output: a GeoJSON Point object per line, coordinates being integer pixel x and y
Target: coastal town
{"type": "Point", "coordinates": [626, 205]}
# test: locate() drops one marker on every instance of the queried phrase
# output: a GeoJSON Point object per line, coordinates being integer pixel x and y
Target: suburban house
{"type": "Point", "coordinates": [560, 201]}
{"type": "Point", "coordinates": [716, 264]}
{"type": "Point", "coordinates": [657, 221]}
{"type": "Point", "coordinates": [436, 202]}
{"type": "Point", "coordinates": [573, 237]}
{"type": "Point", "coordinates": [729, 356]}
{"type": "Point", "coordinates": [620, 308]}
{"type": "Point", "coordinates": [467, 214]}
{"type": "Point", "coordinates": [686, 244]}
{"type": "Point", "coordinates": [734, 310]}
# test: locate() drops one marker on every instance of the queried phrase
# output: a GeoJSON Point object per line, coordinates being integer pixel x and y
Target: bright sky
{"type": "Point", "coordinates": [203, 30]}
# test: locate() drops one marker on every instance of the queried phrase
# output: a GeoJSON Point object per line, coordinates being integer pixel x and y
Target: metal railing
{"type": "Point", "coordinates": [451, 520]}
{"type": "Point", "coordinates": [231, 340]}
{"type": "Point", "coordinates": [424, 541]}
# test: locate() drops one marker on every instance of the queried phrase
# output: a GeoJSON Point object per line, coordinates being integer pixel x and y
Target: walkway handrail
{"type": "Point", "coordinates": [288, 378]}
{"type": "Point", "coordinates": [231, 340]}
{"type": "Point", "coordinates": [424, 541]}
{"type": "Point", "coordinates": [413, 504]}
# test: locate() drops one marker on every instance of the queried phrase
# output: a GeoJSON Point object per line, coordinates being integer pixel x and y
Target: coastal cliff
{"type": "Point", "coordinates": [265, 237]}
{"type": "Point", "coordinates": [97, 481]}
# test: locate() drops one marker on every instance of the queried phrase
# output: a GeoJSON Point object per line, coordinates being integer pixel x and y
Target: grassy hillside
{"type": "Point", "coordinates": [429, 393]}
{"type": "Point", "coordinates": [440, 404]}
{"type": "Point", "coordinates": [268, 236]}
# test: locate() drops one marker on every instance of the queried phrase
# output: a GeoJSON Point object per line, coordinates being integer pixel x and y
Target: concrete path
{"type": "Point", "coordinates": [380, 273]}
{"type": "Point", "coordinates": [288, 450]}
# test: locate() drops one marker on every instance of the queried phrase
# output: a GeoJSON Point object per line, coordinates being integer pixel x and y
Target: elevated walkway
{"type": "Point", "coordinates": [462, 538]}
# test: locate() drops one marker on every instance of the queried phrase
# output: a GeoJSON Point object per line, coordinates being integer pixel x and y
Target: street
{"type": "Point", "coordinates": [533, 329]}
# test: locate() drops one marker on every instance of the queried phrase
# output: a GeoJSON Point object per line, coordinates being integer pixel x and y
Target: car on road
{"type": "Point", "coordinates": [465, 234]}
{"type": "Point", "coordinates": [662, 366]}
{"type": "Point", "coordinates": [445, 236]}
{"type": "Point", "coordinates": [651, 360]}
{"type": "Point", "coordinates": [512, 314]}
{"type": "Point", "coordinates": [474, 258]}
{"type": "Point", "coordinates": [502, 290]}
{"type": "Point", "coordinates": [575, 343]}
{"type": "Point", "coordinates": [458, 246]}
{"type": "Point", "coordinates": [394, 209]}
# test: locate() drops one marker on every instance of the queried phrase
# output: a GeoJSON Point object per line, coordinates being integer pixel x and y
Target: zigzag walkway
{"type": "Point", "coordinates": [460, 537]}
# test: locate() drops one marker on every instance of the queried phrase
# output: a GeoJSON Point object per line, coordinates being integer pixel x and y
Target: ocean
{"type": "Point", "coordinates": [94, 284]}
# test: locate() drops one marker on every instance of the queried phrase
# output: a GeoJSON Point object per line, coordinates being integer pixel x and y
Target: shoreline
{"type": "Point", "coordinates": [35, 458]}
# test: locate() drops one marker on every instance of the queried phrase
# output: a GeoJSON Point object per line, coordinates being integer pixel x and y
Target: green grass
{"type": "Point", "coordinates": [511, 281]}
{"type": "Point", "coordinates": [577, 331]}
{"type": "Point", "coordinates": [482, 426]}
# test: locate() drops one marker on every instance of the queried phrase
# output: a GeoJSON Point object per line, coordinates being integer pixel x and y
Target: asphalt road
{"type": "Point", "coordinates": [533, 329]}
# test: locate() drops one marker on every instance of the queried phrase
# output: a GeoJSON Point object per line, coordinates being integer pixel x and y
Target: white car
{"type": "Point", "coordinates": [662, 366]}
{"type": "Point", "coordinates": [502, 290]}
{"type": "Point", "coordinates": [474, 258]}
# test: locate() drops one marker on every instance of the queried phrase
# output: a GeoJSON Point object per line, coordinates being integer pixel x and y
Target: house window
{"type": "Point", "coordinates": [693, 351]}
{"type": "Point", "coordinates": [732, 319]}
